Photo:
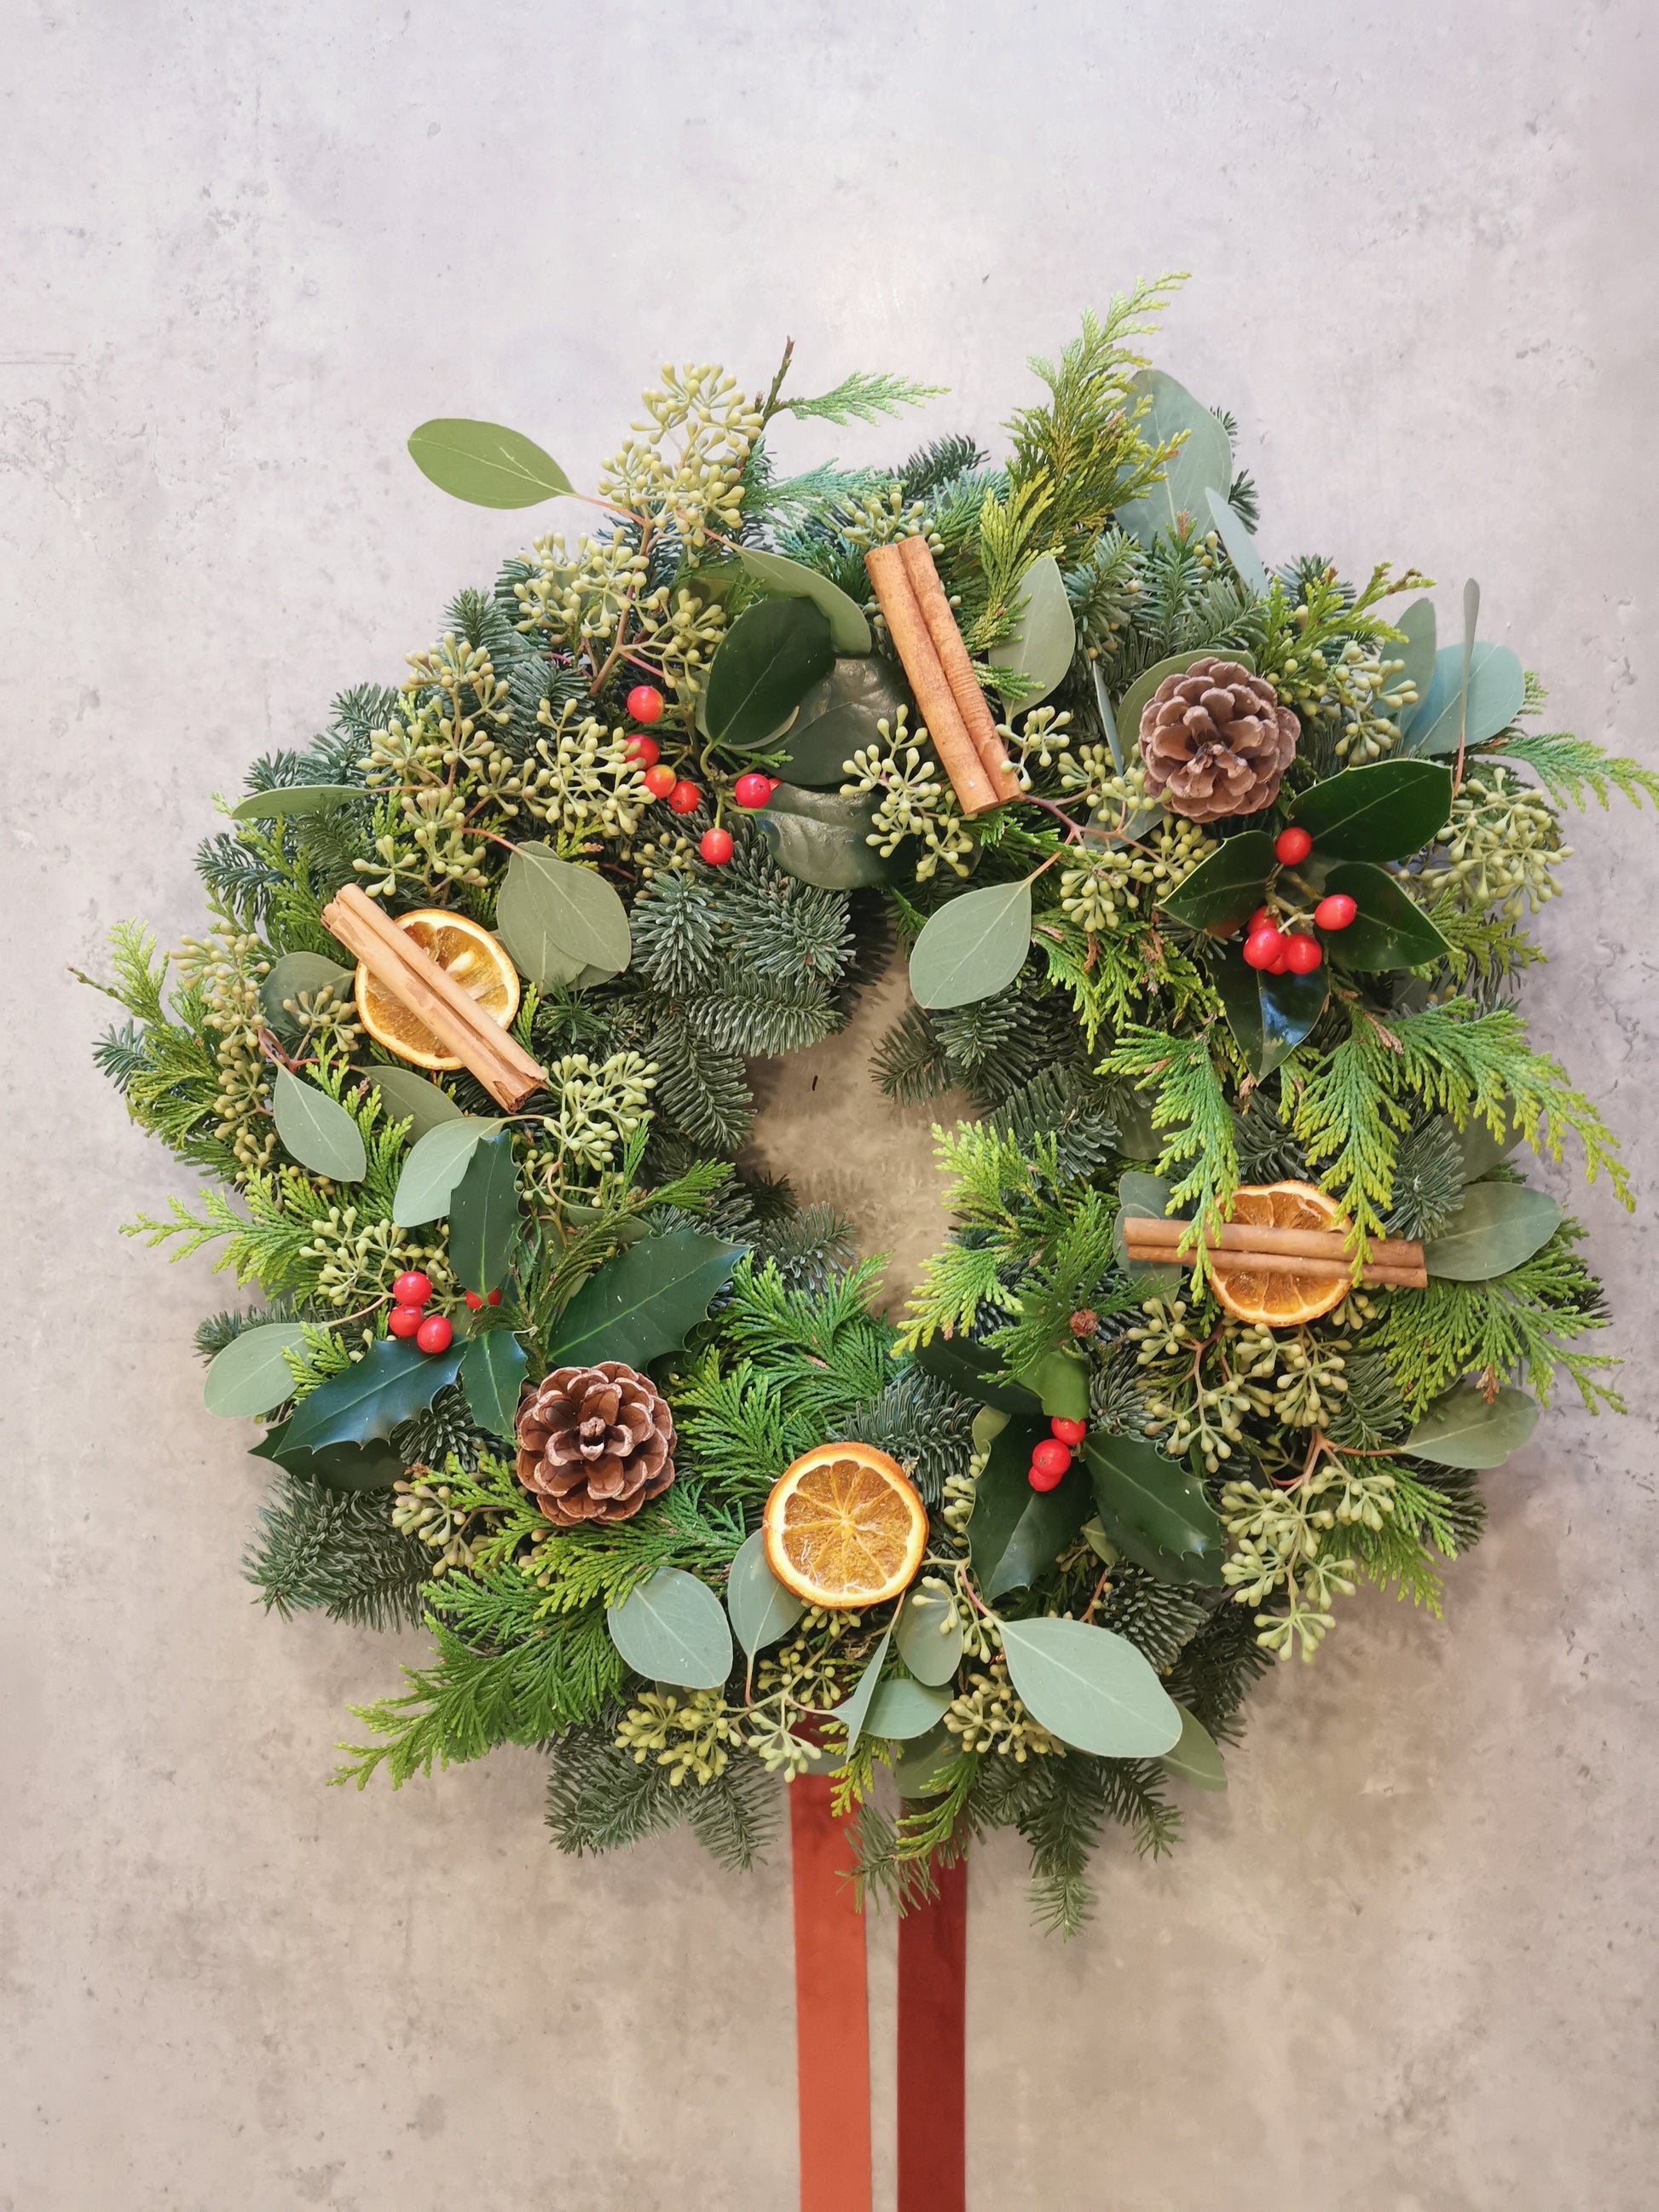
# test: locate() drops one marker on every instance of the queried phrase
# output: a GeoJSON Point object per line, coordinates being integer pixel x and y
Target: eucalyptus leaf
{"type": "Point", "coordinates": [412, 1098]}
{"type": "Point", "coordinates": [853, 1712]}
{"type": "Point", "coordinates": [763, 668]}
{"type": "Point", "coordinates": [557, 918]}
{"type": "Point", "coordinates": [297, 974]}
{"type": "Point", "coordinates": [1498, 1226]}
{"type": "Point", "coordinates": [928, 1634]}
{"type": "Point", "coordinates": [317, 1129]}
{"type": "Point", "coordinates": [1385, 812]}
{"type": "Point", "coordinates": [1390, 931]}
{"type": "Point", "coordinates": [493, 1369]}
{"type": "Point", "coordinates": [973, 947]}
{"type": "Point", "coordinates": [1483, 1148]}
{"type": "Point", "coordinates": [1197, 1756]}
{"type": "Point", "coordinates": [373, 1466]}
{"type": "Point", "coordinates": [850, 630]}
{"type": "Point", "coordinates": [1155, 1509]}
{"type": "Point", "coordinates": [973, 1372]}
{"type": "Point", "coordinates": [823, 839]}
{"type": "Point", "coordinates": [485, 463]}
{"type": "Point", "coordinates": [901, 1710]}
{"type": "Point", "coordinates": [251, 1375]}
{"type": "Point", "coordinates": [671, 1629]}
{"type": "Point", "coordinates": [1202, 463]}
{"type": "Point", "coordinates": [1497, 690]}
{"type": "Point", "coordinates": [1015, 1534]}
{"type": "Point", "coordinates": [643, 1303]}
{"type": "Point", "coordinates": [436, 1163]}
{"type": "Point", "coordinates": [1465, 1428]}
{"type": "Point", "coordinates": [761, 1608]}
{"type": "Point", "coordinates": [1268, 1015]}
{"type": "Point", "coordinates": [484, 1215]}
{"type": "Point", "coordinates": [390, 1383]}
{"type": "Point", "coordinates": [1227, 888]}
{"type": "Point", "coordinates": [1040, 650]}
{"type": "Point", "coordinates": [1090, 1687]}
{"type": "Point", "coordinates": [1133, 704]}
{"type": "Point", "coordinates": [1247, 564]}
{"type": "Point", "coordinates": [295, 799]}
{"type": "Point", "coordinates": [916, 1767]}
{"type": "Point", "coordinates": [1417, 651]}
{"type": "Point", "coordinates": [1108, 718]}
{"type": "Point", "coordinates": [838, 717]}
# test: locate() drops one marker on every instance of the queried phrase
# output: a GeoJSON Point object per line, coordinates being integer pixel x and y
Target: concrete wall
{"type": "Point", "coordinates": [1407, 1964]}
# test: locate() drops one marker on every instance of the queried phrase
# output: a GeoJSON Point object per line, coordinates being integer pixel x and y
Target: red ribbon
{"type": "Point", "coordinates": [933, 2011]}
{"type": "Point", "coordinates": [832, 2017]}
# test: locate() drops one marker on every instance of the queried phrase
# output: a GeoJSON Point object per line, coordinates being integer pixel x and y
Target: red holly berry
{"type": "Point", "coordinates": [1069, 1432]}
{"type": "Point", "coordinates": [714, 845]}
{"type": "Point", "coordinates": [404, 1320]}
{"type": "Point", "coordinates": [1041, 1480]}
{"type": "Point", "coordinates": [645, 704]}
{"type": "Point", "coordinates": [753, 789]}
{"type": "Point", "coordinates": [413, 1289]}
{"type": "Point", "coordinates": [660, 781]}
{"type": "Point", "coordinates": [1261, 947]}
{"type": "Point", "coordinates": [474, 1301]}
{"type": "Point", "coordinates": [1259, 920]}
{"type": "Point", "coordinates": [1302, 953]}
{"type": "Point", "coordinates": [643, 751]}
{"type": "Point", "coordinates": [686, 798]}
{"type": "Point", "coordinates": [434, 1333]}
{"type": "Point", "coordinates": [1281, 961]}
{"type": "Point", "coordinates": [1051, 1457]}
{"type": "Point", "coordinates": [1293, 845]}
{"type": "Point", "coordinates": [1336, 911]}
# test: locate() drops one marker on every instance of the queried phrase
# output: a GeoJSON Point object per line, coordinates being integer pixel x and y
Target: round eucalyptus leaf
{"type": "Point", "coordinates": [434, 1165]}
{"type": "Point", "coordinates": [972, 948]}
{"type": "Point", "coordinates": [929, 1633]}
{"type": "Point", "coordinates": [1229, 523]}
{"type": "Point", "coordinates": [250, 1376]}
{"type": "Point", "coordinates": [301, 974]}
{"type": "Point", "coordinates": [762, 1610]}
{"type": "Point", "coordinates": [1465, 1428]}
{"type": "Point", "coordinates": [485, 463]}
{"type": "Point", "coordinates": [854, 1711]}
{"type": "Point", "coordinates": [1040, 650]}
{"type": "Point", "coordinates": [410, 1097]}
{"type": "Point", "coordinates": [1203, 462]}
{"type": "Point", "coordinates": [558, 918]}
{"type": "Point", "coordinates": [1498, 1226]}
{"type": "Point", "coordinates": [849, 630]}
{"type": "Point", "coordinates": [1196, 1757]}
{"type": "Point", "coordinates": [1090, 1687]}
{"type": "Point", "coordinates": [295, 799]}
{"type": "Point", "coordinates": [902, 1709]}
{"type": "Point", "coordinates": [317, 1130]}
{"type": "Point", "coordinates": [915, 1768]}
{"type": "Point", "coordinates": [672, 1629]}
{"type": "Point", "coordinates": [1498, 691]}
{"type": "Point", "coordinates": [1417, 651]}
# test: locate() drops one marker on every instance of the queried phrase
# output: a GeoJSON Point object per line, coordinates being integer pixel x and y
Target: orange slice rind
{"type": "Point", "coordinates": [1277, 1300]}
{"type": "Point", "coordinates": [466, 951]}
{"type": "Point", "coordinates": [844, 1527]}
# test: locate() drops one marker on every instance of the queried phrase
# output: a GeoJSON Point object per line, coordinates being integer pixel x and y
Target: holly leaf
{"type": "Point", "coordinates": [1390, 930]}
{"type": "Point", "coordinates": [373, 1466]}
{"type": "Point", "coordinates": [317, 1129]}
{"type": "Point", "coordinates": [645, 1302]}
{"type": "Point", "coordinates": [973, 1372]}
{"type": "Point", "coordinates": [390, 1383]}
{"type": "Point", "coordinates": [1155, 1509]}
{"type": "Point", "coordinates": [763, 668]}
{"type": "Point", "coordinates": [1227, 888]}
{"type": "Point", "coordinates": [1385, 812]}
{"type": "Point", "coordinates": [1268, 1015]}
{"type": "Point", "coordinates": [1016, 1533]}
{"type": "Point", "coordinates": [484, 462]}
{"type": "Point", "coordinates": [492, 1369]}
{"type": "Point", "coordinates": [1060, 1379]}
{"type": "Point", "coordinates": [484, 1216]}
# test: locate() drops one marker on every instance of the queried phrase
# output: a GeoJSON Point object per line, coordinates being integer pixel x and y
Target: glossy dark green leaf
{"type": "Point", "coordinates": [1090, 1687]}
{"type": "Point", "coordinates": [1498, 1226]}
{"type": "Point", "coordinates": [1465, 1428]}
{"type": "Point", "coordinates": [390, 1382]}
{"type": "Point", "coordinates": [1016, 1533]}
{"type": "Point", "coordinates": [1385, 812]}
{"type": "Point", "coordinates": [1229, 523]}
{"type": "Point", "coordinates": [251, 1375]}
{"type": "Point", "coordinates": [485, 464]}
{"type": "Point", "coordinates": [672, 1629]}
{"type": "Point", "coordinates": [1390, 929]}
{"type": "Point", "coordinates": [973, 947]}
{"type": "Point", "coordinates": [761, 1610]}
{"type": "Point", "coordinates": [763, 668]}
{"type": "Point", "coordinates": [373, 1466]}
{"type": "Point", "coordinates": [1417, 651]}
{"type": "Point", "coordinates": [1268, 1015]}
{"type": "Point", "coordinates": [435, 1163]}
{"type": "Point", "coordinates": [1133, 704]}
{"type": "Point", "coordinates": [974, 1372]}
{"type": "Point", "coordinates": [558, 918]}
{"type": "Point", "coordinates": [300, 974]}
{"type": "Point", "coordinates": [1202, 463]}
{"type": "Point", "coordinates": [484, 1216]}
{"type": "Point", "coordinates": [413, 1098]}
{"type": "Point", "coordinates": [901, 1710]}
{"type": "Point", "coordinates": [645, 1302]}
{"type": "Point", "coordinates": [1497, 690]}
{"type": "Point", "coordinates": [929, 1633]}
{"type": "Point", "coordinates": [492, 1370]}
{"type": "Point", "coordinates": [1041, 648]}
{"type": "Point", "coordinates": [1155, 1509]}
{"type": "Point", "coordinates": [838, 717]}
{"type": "Point", "coordinates": [1227, 888]}
{"type": "Point", "coordinates": [1060, 1379]}
{"type": "Point", "coordinates": [317, 1129]}
{"type": "Point", "coordinates": [1197, 1756]}
{"type": "Point", "coordinates": [849, 630]}
{"type": "Point", "coordinates": [295, 799]}
{"type": "Point", "coordinates": [821, 838]}
{"type": "Point", "coordinates": [855, 1710]}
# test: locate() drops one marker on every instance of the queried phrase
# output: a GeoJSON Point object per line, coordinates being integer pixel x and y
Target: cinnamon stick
{"type": "Point", "coordinates": [1389, 1275]}
{"type": "Point", "coordinates": [1242, 1236]}
{"type": "Point", "coordinates": [416, 982]}
{"type": "Point", "coordinates": [971, 702]}
{"type": "Point", "coordinates": [912, 641]}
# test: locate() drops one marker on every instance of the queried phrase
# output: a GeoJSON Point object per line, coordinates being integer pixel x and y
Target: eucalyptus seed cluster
{"type": "Point", "coordinates": [957, 1505]}
{"type": "Point", "coordinates": [1309, 1384]}
{"type": "Point", "coordinates": [1281, 1551]}
{"type": "Point", "coordinates": [226, 967]}
{"type": "Point", "coordinates": [689, 1734]}
{"type": "Point", "coordinates": [357, 1259]}
{"type": "Point", "coordinates": [1502, 842]}
{"type": "Point", "coordinates": [1042, 736]}
{"type": "Point", "coordinates": [1115, 796]}
{"type": "Point", "coordinates": [325, 1021]}
{"type": "Point", "coordinates": [989, 1717]}
{"type": "Point", "coordinates": [583, 783]}
{"type": "Point", "coordinates": [426, 1507]}
{"type": "Point", "coordinates": [598, 1108]}
{"type": "Point", "coordinates": [1355, 693]}
{"type": "Point", "coordinates": [808, 1671]}
{"type": "Point", "coordinates": [916, 801]}
{"type": "Point", "coordinates": [882, 517]}
{"type": "Point", "coordinates": [697, 485]}
{"type": "Point", "coordinates": [1109, 887]}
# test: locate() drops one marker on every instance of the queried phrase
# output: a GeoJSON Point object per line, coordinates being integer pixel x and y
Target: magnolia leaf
{"type": "Point", "coordinates": [671, 1629]}
{"type": "Point", "coordinates": [1227, 888]}
{"type": "Point", "coordinates": [974, 947]}
{"type": "Point", "coordinates": [1498, 1226]}
{"type": "Point", "coordinates": [900, 1709]}
{"type": "Point", "coordinates": [1268, 1015]}
{"type": "Point", "coordinates": [250, 1376]}
{"type": "Point", "coordinates": [1090, 1688]}
{"type": "Point", "coordinates": [762, 1610]}
{"type": "Point", "coordinates": [557, 918]}
{"type": "Point", "coordinates": [1465, 1428]}
{"type": "Point", "coordinates": [928, 1634]}
{"type": "Point", "coordinates": [916, 1767]}
{"type": "Point", "coordinates": [1016, 1533]}
{"type": "Point", "coordinates": [1385, 812]}
{"type": "Point", "coordinates": [410, 1097]}
{"type": "Point", "coordinates": [1417, 651]}
{"type": "Point", "coordinates": [838, 717]}
{"type": "Point", "coordinates": [1155, 1509]}
{"type": "Point", "coordinates": [298, 973]}
{"type": "Point", "coordinates": [1390, 930]}
{"type": "Point", "coordinates": [850, 630]}
{"type": "Point", "coordinates": [492, 1369]}
{"type": "Point", "coordinates": [973, 1372]}
{"type": "Point", "coordinates": [484, 1215]}
{"type": "Point", "coordinates": [763, 668]}
{"type": "Point", "coordinates": [1497, 690]}
{"type": "Point", "coordinates": [1060, 1379]}
{"type": "Point", "coordinates": [391, 1382]}
{"type": "Point", "coordinates": [317, 1129]}
{"type": "Point", "coordinates": [435, 1164]}
{"type": "Point", "coordinates": [1196, 1757]}
{"type": "Point", "coordinates": [823, 839]}
{"type": "Point", "coordinates": [1247, 564]}
{"type": "Point", "coordinates": [1202, 463]}
{"type": "Point", "coordinates": [854, 1711]}
{"type": "Point", "coordinates": [485, 464]}
{"type": "Point", "coordinates": [1040, 650]}
{"type": "Point", "coordinates": [1133, 704]}
{"type": "Point", "coordinates": [295, 799]}
{"type": "Point", "coordinates": [373, 1466]}
{"type": "Point", "coordinates": [645, 1302]}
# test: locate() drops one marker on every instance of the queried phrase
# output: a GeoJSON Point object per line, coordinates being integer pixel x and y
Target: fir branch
{"type": "Point", "coordinates": [337, 1551]}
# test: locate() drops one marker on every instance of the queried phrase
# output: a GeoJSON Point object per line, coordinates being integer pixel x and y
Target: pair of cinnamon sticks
{"type": "Point", "coordinates": [929, 646]}
{"type": "Point", "coordinates": [1322, 1255]}
{"type": "Point", "coordinates": [416, 982]}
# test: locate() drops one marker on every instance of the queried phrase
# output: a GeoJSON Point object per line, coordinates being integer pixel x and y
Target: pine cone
{"type": "Point", "coordinates": [1216, 741]}
{"type": "Point", "coordinates": [594, 1442]}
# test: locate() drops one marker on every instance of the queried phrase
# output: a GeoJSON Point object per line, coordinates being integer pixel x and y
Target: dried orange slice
{"type": "Point", "coordinates": [1282, 1300]}
{"type": "Point", "coordinates": [477, 962]}
{"type": "Point", "coordinates": [844, 1527]}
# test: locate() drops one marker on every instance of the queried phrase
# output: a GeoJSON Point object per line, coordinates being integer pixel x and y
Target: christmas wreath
{"type": "Point", "coordinates": [1213, 882]}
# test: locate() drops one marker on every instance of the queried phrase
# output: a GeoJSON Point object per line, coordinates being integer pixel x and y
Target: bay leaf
{"type": "Point", "coordinates": [1090, 1687]}
{"type": "Point", "coordinates": [672, 1629]}
{"type": "Point", "coordinates": [973, 947]}
{"type": "Point", "coordinates": [1498, 1226]}
{"type": "Point", "coordinates": [485, 463]}
{"type": "Point", "coordinates": [317, 1130]}
{"type": "Point", "coordinates": [1464, 1428]}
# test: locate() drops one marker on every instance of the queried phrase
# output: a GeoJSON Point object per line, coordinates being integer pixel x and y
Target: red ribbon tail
{"type": "Point", "coordinates": [832, 2017]}
{"type": "Point", "coordinates": [932, 2012]}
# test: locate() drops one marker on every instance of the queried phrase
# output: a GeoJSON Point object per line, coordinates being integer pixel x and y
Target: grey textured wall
{"type": "Point", "coordinates": [1408, 1964]}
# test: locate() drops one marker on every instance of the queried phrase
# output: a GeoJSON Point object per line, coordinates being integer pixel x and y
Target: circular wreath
{"type": "Point", "coordinates": [1212, 882]}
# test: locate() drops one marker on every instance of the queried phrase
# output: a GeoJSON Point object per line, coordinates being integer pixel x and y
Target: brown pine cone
{"type": "Point", "coordinates": [1216, 741]}
{"type": "Point", "coordinates": [594, 1442]}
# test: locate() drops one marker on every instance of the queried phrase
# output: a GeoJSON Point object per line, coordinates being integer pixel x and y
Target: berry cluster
{"type": "Point", "coordinates": [431, 1332]}
{"type": "Point", "coordinates": [1053, 1456]}
{"type": "Point", "coordinates": [1276, 951]}
{"type": "Point", "coordinates": [750, 791]}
